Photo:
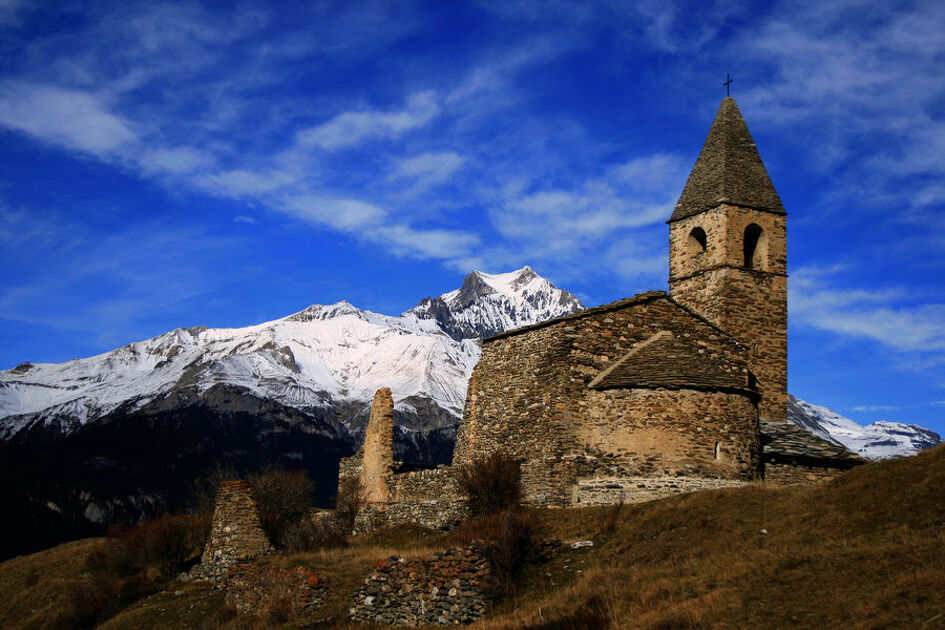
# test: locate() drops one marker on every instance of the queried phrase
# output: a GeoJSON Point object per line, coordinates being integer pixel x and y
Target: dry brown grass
{"type": "Point", "coordinates": [865, 551]}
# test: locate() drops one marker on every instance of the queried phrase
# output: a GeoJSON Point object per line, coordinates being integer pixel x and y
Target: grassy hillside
{"type": "Point", "coordinates": [864, 551]}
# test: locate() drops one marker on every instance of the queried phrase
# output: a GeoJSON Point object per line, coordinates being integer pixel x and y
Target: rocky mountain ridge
{"type": "Point", "coordinates": [322, 357]}
{"type": "Point", "coordinates": [877, 440]}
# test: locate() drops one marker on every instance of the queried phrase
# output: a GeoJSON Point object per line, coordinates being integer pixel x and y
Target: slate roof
{"type": "Point", "coordinates": [787, 442]}
{"type": "Point", "coordinates": [639, 298]}
{"type": "Point", "coordinates": [728, 170]}
{"type": "Point", "coordinates": [665, 360]}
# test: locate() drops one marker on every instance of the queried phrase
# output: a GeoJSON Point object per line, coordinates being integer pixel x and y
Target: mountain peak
{"type": "Point", "coordinates": [325, 311]}
{"type": "Point", "coordinates": [488, 303]}
{"type": "Point", "coordinates": [878, 440]}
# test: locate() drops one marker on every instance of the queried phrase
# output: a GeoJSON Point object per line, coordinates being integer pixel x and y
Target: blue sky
{"type": "Point", "coordinates": [179, 164]}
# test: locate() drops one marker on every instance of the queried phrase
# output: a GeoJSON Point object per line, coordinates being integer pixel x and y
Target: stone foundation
{"type": "Point", "coordinates": [256, 588]}
{"type": "Point", "coordinates": [431, 514]}
{"type": "Point", "coordinates": [780, 474]}
{"type": "Point", "coordinates": [607, 491]}
{"type": "Point", "coordinates": [445, 588]}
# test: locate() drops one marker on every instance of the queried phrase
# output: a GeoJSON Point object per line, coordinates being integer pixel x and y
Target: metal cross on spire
{"type": "Point", "coordinates": [728, 82]}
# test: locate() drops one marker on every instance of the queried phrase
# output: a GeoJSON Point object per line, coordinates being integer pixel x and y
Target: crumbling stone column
{"type": "Point", "coordinates": [235, 532]}
{"type": "Point", "coordinates": [379, 448]}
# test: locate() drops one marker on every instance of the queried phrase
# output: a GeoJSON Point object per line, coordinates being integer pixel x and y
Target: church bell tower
{"type": "Point", "coordinates": [728, 252]}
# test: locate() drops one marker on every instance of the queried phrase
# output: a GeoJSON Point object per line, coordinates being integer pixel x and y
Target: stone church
{"type": "Point", "coordinates": [656, 394]}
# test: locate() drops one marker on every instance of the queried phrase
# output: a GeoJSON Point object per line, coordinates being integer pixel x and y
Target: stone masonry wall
{"type": "Point", "coordinates": [607, 491]}
{"type": "Point", "coordinates": [529, 395]}
{"type": "Point", "coordinates": [253, 588]}
{"type": "Point", "coordinates": [235, 533]}
{"type": "Point", "coordinates": [425, 485]}
{"type": "Point", "coordinates": [429, 513]}
{"type": "Point", "coordinates": [792, 474]}
{"type": "Point", "coordinates": [445, 588]}
{"type": "Point", "coordinates": [672, 433]}
{"type": "Point", "coordinates": [429, 498]}
{"type": "Point", "coordinates": [750, 304]}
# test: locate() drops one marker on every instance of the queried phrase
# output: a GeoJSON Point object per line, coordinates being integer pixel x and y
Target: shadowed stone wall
{"type": "Point", "coordinates": [235, 533]}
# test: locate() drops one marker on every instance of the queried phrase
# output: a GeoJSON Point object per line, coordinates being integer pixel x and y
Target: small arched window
{"type": "Point", "coordinates": [754, 247]}
{"type": "Point", "coordinates": [697, 241]}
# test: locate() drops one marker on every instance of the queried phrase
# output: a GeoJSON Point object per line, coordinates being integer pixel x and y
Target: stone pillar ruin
{"type": "Point", "coordinates": [235, 532]}
{"type": "Point", "coordinates": [379, 448]}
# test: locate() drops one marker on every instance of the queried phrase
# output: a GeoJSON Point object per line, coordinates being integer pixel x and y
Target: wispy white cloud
{"type": "Point", "coordinates": [351, 128]}
{"type": "Point", "coordinates": [428, 243]}
{"type": "Point", "coordinates": [177, 160]}
{"type": "Point", "coordinates": [241, 183]}
{"type": "Point", "coordinates": [76, 119]}
{"type": "Point", "coordinates": [877, 408]}
{"type": "Point", "coordinates": [8, 9]}
{"type": "Point", "coordinates": [815, 300]}
{"type": "Point", "coordinates": [347, 215]}
{"type": "Point", "coordinates": [428, 169]}
{"type": "Point", "coordinates": [633, 195]}
{"type": "Point", "coordinates": [153, 265]}
{"type": "Point", "coordinates": [860, 80]}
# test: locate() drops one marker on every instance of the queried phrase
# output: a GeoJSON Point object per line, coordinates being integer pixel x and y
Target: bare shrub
{"type": "Point", "coordinates": [204, 495]}
{"type": "Point", "coordinates": [491, 484]}
{"type": "Point", "coordinates": [311, 534]}
{"type": "Point", "coordinates": [327, 531]}
{"type": "Point", "coordinates": [283, 498]}
{"type": "Point", "coordinates": [512, 544]}
{"type": "Point", "coordinates": [349, 503]}
{"type": "Point", "coordinates": [32, 578]}
{"type": "Point", "coordinates": [607, 523]}
{"type": "Point", "coordinates": [508, 540]}
{"type": "Point", "coordinates": [593, 615]}
{"type": "Point", "coordinates": [170, 542]}
{"type": "Point", "coordinates": [99, 597]}
{"type": "Point", "coordinates": [279, 610]}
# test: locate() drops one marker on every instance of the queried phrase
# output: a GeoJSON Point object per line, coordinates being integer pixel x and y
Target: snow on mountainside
{"type": "Point", "coordinates": [327, 357]}
{"type": "Point", "coordinates": [878, 440]}
{"type": "Point", "coordinates": [321, 356]}
{"type": "Point", "coordinates": [487, 304]}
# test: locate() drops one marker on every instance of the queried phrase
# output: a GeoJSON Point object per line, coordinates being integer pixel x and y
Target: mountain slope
{"type": "Point", "coordinates": [487, 304]}
{"type": "Point", "coordinates": [878, 440]}
{"type": "Point", "coordinates": [321, 357]}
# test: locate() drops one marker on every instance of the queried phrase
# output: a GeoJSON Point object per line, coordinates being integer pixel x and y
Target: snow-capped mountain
{"type": "Point", "coordinates": [126, 434]}
{"type": "Point", "coordinates": [487, 304]}
{"type": "Point", "coordinates": [877, 440]}
{"type": "Point", "coordinates": [312, 360]}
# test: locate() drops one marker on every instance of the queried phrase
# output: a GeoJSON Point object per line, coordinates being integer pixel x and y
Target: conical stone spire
{"type": "Point", "coordinates": [729, 170]}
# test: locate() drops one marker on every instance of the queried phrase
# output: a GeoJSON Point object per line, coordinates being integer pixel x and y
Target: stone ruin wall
{"type": "Point", "coordinates": [799, 474]}
{"type": "Point", "coordinates": [236, 535]}
{"type": "Point", "coordinates": [747, 303]}
{"type": "Point", "coordinates": [429, 497]}
{"type": "Point", "coordinates": [529, 396]}
{"type": "Point", "coordinates": [450, 587]}
{"type": "Point", "coordinates": [252, 588]}
{"type": "Point", "coordinates": [378, 448]}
